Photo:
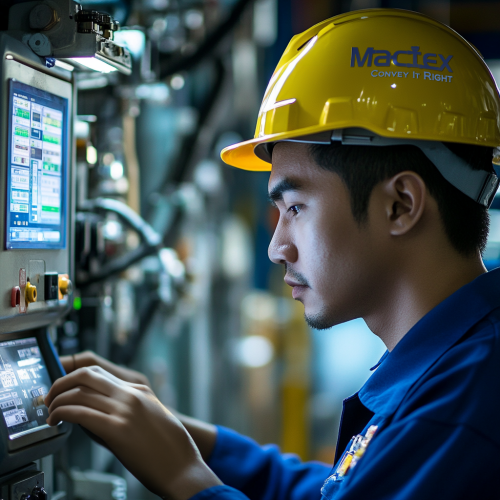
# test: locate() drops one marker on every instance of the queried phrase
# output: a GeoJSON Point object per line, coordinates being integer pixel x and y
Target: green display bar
{"type": "Point", "coordinates": [23, 132]}
{"type": "Point", "coordinates": [46, 208]}
{"type": "Point", "coordinates": [53, 139]}
{"type": "Point", "coordinates": [52, 121]}
{"type": "Point", "coordinates": [22, 113]}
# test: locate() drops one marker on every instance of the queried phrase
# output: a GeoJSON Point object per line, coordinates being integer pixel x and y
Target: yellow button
{"type": "Point", "coordinates": [65, 285]}
{"type": "Point", "coordinates": [30, 293]}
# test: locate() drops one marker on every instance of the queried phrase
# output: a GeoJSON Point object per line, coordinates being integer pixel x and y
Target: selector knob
{"type": "Point", "coordinates": [30, 293]}
{"type": "Point", "coordinates": [38, 494]}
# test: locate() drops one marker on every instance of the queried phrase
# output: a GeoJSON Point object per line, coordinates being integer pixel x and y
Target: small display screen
{"type": "Point", "coordinates": [24, 383]}
{"type": "Point", "coordinates": [37, 168]}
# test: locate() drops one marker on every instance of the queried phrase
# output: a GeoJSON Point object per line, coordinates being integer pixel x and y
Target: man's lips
{"type": "Point", "coordinates": [297, 287]}
{"type": "Point", "coordinates": [293, 283]}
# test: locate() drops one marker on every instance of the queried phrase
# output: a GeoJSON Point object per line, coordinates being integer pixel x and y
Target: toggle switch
{"type": "Point", "coordinates": [30, 293]}
{"type": "Point", "coordinates": [51, 286]}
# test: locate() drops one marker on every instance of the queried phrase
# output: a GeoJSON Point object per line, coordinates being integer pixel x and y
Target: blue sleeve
{"type": "Point", "coordinates": [262, 472]}
{"type": "Point", "coordinates": [420, 458]}
{"type": "Point", "coordinates": [219, 493]}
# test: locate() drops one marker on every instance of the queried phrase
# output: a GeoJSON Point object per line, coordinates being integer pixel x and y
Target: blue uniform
{"type": "Point", "coordinates": [435, 402]}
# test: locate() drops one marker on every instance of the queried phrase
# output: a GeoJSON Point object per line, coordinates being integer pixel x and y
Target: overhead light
{"type": "Point", "coordinates": [94, 64]}
{"type": "Point", "coordinates": [64, 65]}
{"type": "Point", "coordinates": [87, 35]}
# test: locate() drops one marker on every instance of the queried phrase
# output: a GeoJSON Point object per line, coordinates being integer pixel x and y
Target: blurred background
{"type": "Point", "coordinates": [208, 318]}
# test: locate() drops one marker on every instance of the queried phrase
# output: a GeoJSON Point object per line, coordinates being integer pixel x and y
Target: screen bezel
{"type": "Point", "coordinates": [30, 245]}
{"type": "Point", "coordinates": [54, 371]}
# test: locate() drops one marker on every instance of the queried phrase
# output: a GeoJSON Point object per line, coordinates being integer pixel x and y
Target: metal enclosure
{"type": "Point", "coordinates": [41, 268]}
{"type": "Point", "coordinates": [19, 63]}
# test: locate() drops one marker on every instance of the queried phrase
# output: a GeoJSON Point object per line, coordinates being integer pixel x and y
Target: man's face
{"type": "Point", "coordinates": [331, 261]}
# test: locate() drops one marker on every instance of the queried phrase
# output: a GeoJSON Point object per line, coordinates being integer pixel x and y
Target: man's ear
{"type": "Point", "coordinates": [405, 198]}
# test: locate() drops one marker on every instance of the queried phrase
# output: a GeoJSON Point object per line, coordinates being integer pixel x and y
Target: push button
{"type": "Point", "coordinates": [65, 285]}
{"type": "Point", "coordinates": [15, 296]}
{"type": "Point", "coordinates": [30, 293]}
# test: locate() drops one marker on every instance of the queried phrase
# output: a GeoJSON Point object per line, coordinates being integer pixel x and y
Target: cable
{"type": "Point", "coordinates": [169, 67]}
{"type": "Point", "coordinates": [151, 241]}
{"type": "Point", "coordinates": [128, 216]}
{"type": "Point", "coordinates": [192, 144]}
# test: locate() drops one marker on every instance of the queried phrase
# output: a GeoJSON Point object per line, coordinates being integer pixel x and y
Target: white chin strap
{"type": "Point", "coordinates": [478, 185]}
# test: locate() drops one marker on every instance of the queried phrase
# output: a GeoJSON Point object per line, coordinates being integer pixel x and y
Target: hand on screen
{"type": "Point", "coordinates": [89, 358]}
{"type": "Point", "coordinates": [146, 437]}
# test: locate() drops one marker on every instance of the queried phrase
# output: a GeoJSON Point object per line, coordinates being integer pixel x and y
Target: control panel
{"type": "Point", "coordinates": [36, 197]}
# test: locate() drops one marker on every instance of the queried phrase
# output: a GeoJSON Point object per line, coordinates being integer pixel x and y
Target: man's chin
{"type": "Point", "coordinates": [318, 321]}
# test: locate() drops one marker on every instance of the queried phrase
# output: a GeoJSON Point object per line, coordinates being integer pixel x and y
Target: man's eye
{"type": "Point", "coordinates": [295, 209]}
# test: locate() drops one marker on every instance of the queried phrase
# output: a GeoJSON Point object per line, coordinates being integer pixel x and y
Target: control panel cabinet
{"type": "Point", "coordinates": [36, 249]}
{"type": "Point", "coordinates": [36, 187]}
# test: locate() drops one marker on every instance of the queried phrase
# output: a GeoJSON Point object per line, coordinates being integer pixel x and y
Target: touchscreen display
{"type": "Point", "coordinates": [37, 168]}
{"type": "Point", "coordinates": [24, 383]}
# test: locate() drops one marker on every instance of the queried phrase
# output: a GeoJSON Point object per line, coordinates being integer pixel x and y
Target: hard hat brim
{"type": "Point", "coordinates": [242, 155]}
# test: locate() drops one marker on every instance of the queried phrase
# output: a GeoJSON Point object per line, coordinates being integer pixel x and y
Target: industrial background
{"type": "Point", "coordinates": [203, 313]}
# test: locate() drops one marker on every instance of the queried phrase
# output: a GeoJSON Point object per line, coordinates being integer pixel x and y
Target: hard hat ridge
{"type": "Point", "coordinates": [396, 74]}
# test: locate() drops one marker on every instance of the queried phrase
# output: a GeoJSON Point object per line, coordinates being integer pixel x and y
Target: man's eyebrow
{"type": "Point", "coordinates": [287, 184]}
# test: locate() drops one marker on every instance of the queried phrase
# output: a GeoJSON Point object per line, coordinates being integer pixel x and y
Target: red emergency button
{"type": "Point", "coordinates": [15, 296]}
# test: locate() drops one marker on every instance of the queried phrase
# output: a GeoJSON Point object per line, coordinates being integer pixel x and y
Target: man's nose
{"type": "Point", "coordinates": [282, 249]}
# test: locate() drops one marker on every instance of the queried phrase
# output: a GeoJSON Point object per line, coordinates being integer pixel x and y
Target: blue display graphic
{"type": "Point", "coordinates": [36, 173]}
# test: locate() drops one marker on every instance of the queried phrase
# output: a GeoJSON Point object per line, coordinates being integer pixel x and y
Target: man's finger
{"type": "Point", "coordinates": [92, 377]}
{"type": "Point", "coordinates": [68, 363]}
{"type": "Point", "coordinates": [85, 397]}
{"type": "Point", "coordinates": [101, 424]}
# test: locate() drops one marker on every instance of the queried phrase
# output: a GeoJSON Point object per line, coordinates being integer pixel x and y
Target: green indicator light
{"type": "Point", "coordinates": [77, 303]}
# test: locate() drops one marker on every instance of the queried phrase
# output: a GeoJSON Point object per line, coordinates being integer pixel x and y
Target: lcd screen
{"type": "Point", "coordinates": [36, 173]}
{"type": "Point", "coordinates": [24, 383]}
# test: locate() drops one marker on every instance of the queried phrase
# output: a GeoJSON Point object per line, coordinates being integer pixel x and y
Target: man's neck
{"type": "Point", "coordinates": [416, 292]}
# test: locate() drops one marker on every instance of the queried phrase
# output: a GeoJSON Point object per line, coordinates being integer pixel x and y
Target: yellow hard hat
{"type": "Point", "coordinates": [398, 74]}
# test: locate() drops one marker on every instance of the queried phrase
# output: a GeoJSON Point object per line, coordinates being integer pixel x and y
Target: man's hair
{"type": "Point", "coordinates": [361, 168]}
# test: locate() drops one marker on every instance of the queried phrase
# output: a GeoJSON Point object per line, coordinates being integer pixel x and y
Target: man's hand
{"type": "Point", "coordinates": [89, 358]}
{"type": "Point", "coordinates": [148, 439]}
{"type": "Point", "coordinates": [203, 434]}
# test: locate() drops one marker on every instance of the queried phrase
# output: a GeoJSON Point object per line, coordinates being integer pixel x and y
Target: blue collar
{"type": "Point", "coordinates": [429, 339]}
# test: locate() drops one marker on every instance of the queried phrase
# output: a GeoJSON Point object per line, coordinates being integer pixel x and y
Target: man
{"type": "Point", "coordinates": [382, 179]}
